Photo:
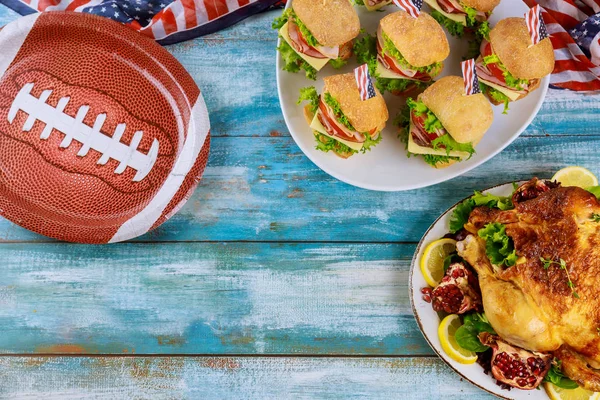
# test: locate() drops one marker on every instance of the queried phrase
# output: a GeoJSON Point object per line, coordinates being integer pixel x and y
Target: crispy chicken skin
{"type": "Point", "coordinates": [533, 307]}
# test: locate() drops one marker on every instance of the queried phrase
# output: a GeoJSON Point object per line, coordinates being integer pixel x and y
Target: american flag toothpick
{"type": "Point", "coordinates": [470, 77]}
{"type": "Point", "coordinates": [365, 85]}
{"type": "Point", "coordinates": [536, 25]}
{"type": "Point", "coordinates": [413, 7]}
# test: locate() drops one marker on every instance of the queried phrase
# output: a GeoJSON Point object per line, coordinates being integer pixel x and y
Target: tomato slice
{"type": "Point", "coordinates": [494, 69]}
{"type": "Point", "coordinates": [419, 121]}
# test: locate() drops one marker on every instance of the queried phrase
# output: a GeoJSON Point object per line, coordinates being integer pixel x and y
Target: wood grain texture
{"type": "Point", "coordinates": [208, 298]}
{"type": "Point", "coordinates": [259, 189]}
{"type": "Point", "coordinates": [231, 378]}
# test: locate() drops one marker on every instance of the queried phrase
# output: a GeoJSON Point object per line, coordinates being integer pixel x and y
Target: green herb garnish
{"type": "Point", "coordinates": [595, 217]}
{"type": "Point", "coordinates": [563, 265]}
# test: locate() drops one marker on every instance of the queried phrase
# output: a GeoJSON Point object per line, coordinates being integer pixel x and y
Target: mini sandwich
{"type": "Point", "coordinates": [444, 125]}
{"type": "Point", "coordinates": [340, 120]}
{"type": "Point", "coordinates": [510, 67]}
{"type": "Point", "coordinates": [460, 15]}
{"type": "Point", "coordinates": [407, 53]}
{"type": "Point", "coordinates": [373, 5]}
{"type": "Point", "coordinates": [315, 33]}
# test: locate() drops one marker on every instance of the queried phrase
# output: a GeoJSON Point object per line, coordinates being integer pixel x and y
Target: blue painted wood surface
{"type": "Point", "coordinates": [261, 261]}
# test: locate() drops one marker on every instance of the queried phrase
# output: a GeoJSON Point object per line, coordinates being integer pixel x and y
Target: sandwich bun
{"type": "Point", "coordinates": [331, 22]}
{"type": "Point", "coordinates": [421, 41]}
{"type": "Point", "coordinates": [363, 115]}
{"type": "Point", "coordinates": [465, 118]}
{"type": "Point", "coordinates": [482, 5]}
{"type": "Point", "coordinates": [511, 42]}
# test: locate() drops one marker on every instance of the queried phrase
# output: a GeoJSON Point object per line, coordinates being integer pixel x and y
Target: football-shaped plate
{"type": "Point", "coordinates": [386, 167]}
{"type": "Point", "coordinates": [103, 134]}
{"type": "Point", "coordinates": [429, 320]}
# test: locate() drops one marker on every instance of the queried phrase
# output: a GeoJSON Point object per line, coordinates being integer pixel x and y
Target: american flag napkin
{"type": "Point", "coordinates": [574, 29]}
{"type": "Point", "coordinates": [167, 21]}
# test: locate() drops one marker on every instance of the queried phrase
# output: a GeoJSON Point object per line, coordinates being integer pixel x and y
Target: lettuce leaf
{"type": "Point", "coordinates": [467, 335]}
{"type": "Point", "coordinates": [419, 108]}
{"type": "Point", "coordinates": [337, 110]}
{"type": "Point", "coordinates": [471, 14]}
{"type": "Point", "coordinates": [557, 378]}
{"type": "Point", "coordinates": [294, 63]}
{"type": "Point", "coordinates": [434, 160]}
{"type": "Point", "coordinates": [447, 142]}
{"type": "Point", "coordinates": [397, 85]}
{"type": "Point", "coordinates": [498, 246]}
{"type": "Point", "coordinates": [279, 22]}
{"type": "Point", "coordinates": [326, 144]}
{"type": "Point", "coordinates": [511, 81]}
{"type": "Point", "coordinates": [365, 50]}
{"type": "Point", "coordinates": [455, 28]}
{"type": "Point", "coordinates": [338, 63]}
{"type": "Point", "coordinates": [460, 215]}
{"type": "Point", "coordinates": [310, 94]}
{"type": "Point", "coordinates": [496, 95]}
{"type": "Point", "coordinates": [308, 36]}
{"type": "Point", "coordinates": [595, 190]}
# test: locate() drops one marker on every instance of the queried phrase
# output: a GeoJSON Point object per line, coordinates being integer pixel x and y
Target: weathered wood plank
{"type": "Point", "coordinates": [231, 378]}
{"type": "Point", "coordinates": [267, 190]}
{"type": "Point", "coordinates": [207, 298]}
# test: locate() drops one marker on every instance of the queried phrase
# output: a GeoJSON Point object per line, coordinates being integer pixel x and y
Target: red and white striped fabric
{"type": "Point", "coordinates": [413, 7]}
{"type": "Point", "coordinates": [574, 69]}
{"type": "Point", "coordinates": [167, 21]}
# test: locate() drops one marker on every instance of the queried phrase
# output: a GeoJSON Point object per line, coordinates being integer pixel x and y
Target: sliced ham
{"type": "Point", "coordinates": [484, 73]}
{"type": "Point", "coordinates": [420, 136]}
{"type": "Point", "coordinates": [329, 52]}
{"type": "Point", "coordinates": [373, 3]}
{"type": "Point", "coordinates": [301, 45]}
{"type": "Point", "coordinates": [454, 7]}
{"type": "Point", "coordinates": [334, 128]}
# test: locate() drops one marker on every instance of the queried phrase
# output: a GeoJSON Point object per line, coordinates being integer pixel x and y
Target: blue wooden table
{"type": "Point", "coordinates": [263, 286]}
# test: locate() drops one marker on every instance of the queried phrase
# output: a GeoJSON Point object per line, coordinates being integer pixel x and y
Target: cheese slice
{"type": "Point", "coordinates": [316, 63]}
{"type": "Point", "coordinates": [460, 18]}
{"type": "Point", "coordinates": [378, 6]}
{"type": "Point", "coordinates": [383, 72]}
{"type": "Point", "coordinates": [416, 149]}
{"type": "Point", "coordinates": [505, 91]}
{"type": "Point", "coordinates": [318, 126]}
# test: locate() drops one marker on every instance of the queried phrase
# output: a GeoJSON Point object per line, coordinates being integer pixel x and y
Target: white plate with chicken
{"type": "Point", "coordinates": [375, 157]}
{"type": "Point", "coordinates": [514, 303]}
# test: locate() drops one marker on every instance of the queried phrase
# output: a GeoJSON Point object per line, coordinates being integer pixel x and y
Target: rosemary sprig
{"type": "Point", "coordinates": [563, 265]}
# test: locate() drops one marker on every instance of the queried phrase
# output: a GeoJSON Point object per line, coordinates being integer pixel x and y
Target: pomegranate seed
{"type": "Point", "coordinates": [427, 298]}
{"type": "Point", "coordinates": [426, 290]}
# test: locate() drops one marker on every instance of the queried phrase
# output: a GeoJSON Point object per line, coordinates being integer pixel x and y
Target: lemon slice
{"type": "Point", "coordinates": [446, 332]}
{"type": "Point", "coordinates": [432, 262]}
{"type": "Point", "coordinates": [556, 393]}
{"type": "Point", "coordinates": [576, 176]}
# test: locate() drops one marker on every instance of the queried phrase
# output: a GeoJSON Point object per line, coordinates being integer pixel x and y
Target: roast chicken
{"type": "Point", "coordinates": [545, 307]}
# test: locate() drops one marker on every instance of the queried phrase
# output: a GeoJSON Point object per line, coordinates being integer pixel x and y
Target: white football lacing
{"type": "Point", "coordinates": [88, 137]}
